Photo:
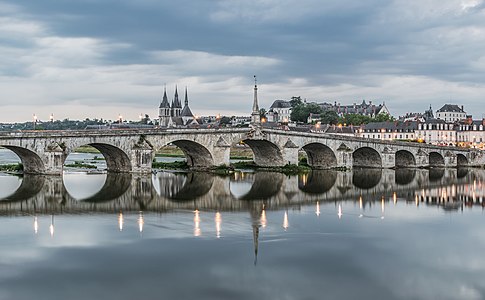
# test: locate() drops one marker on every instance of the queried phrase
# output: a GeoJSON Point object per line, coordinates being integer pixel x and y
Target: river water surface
{"type": "Point", "coordinates": [366, 234]}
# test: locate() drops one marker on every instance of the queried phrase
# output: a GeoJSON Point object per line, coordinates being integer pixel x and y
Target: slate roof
{"type": "Point", "coordinates": [450, 108]}
{"type": "Point", "coordinates": [281, 104]}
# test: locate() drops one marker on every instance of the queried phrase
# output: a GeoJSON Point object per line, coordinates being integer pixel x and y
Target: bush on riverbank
{"type": "Point", "coordinates": [12, 167]}
{"type": "Point", "coordinates": [80, 164]}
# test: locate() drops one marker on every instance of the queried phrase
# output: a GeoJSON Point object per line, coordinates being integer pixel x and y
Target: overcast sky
{"type": "Point", "coordinates": [101, 58]}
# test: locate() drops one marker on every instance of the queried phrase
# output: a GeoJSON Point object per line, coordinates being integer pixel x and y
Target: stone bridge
{"type": "Point", "coordinates": [44, 152]}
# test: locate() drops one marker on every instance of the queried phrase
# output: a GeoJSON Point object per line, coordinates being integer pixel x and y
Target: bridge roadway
{"type": "Point", "coordinates": [44, 152]}
{"type": "Point", "coordinates": [167, 191]}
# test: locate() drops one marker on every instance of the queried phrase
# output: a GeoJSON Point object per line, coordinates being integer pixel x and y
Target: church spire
{"type": "Point", "coordinates": [186, 98]}
{"type": "Point", "coordinates": [255, 118]}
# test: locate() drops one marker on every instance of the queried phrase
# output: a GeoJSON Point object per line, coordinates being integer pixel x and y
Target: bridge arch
{"type": "Point", "coordinates": [195, 153]}
{"type": "Point", "coordinates": [405, 159]}
{"type": "Point", "coordinates": [320, 156]}
{"type": "Point", "coordinates": [266, 153]}
{"type": "Point", "coordinates": [436, 159]}
{"type": "Point", "coordinates": [461, 160]}
{"type": "Point", "coordinates": [31, 161]}
{"type": "Point", "coordinates": [366, 157]}
{"type": "Point", "coordinates": [117, 160]}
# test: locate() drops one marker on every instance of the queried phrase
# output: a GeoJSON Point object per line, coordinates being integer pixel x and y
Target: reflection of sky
{"type": "Point", "coordinates": [435, 255]}
{"type": "Point", "coordinates": [82, 185]}
{"type": "Point", "coordinates": [8, 184]}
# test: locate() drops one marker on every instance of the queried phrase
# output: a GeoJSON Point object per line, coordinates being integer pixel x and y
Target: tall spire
{"type": "Point", "coordinates": [186, 98]}
{"type": "Point", "coordinates": [176, 98]}
{"type": "Point", "coordinates": [255, 118]}
{"type": "Point", "coordinates": [164, 103]}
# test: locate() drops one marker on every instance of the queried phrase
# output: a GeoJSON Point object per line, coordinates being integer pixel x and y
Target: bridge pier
{"type": "Point", "coordinates": [388, 160]}
{"type": "Point", "coordinates": [344, 158]}
{"type": "Point", "coordinates": [54, 161]}
{"type": "Point", "coordinates": [221, 154]}
{"type": "Point", "coordinates": [141, 160]}
{"type": "Point", "coordinates": [290, 155]}
{"type": "Point", "coordinates": [450, 160]}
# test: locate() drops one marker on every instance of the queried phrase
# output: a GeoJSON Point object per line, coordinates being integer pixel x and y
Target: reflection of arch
{"type": "Point", "coordinates": [265, 185]}
{"type": "Point", "coordinates": [405, 158]}
{"type": "Point", "coordinates": [435, 174]}
{"type": "Point", "coordinates": [115, 186]}
{"type": "Point", "coordinates": [366, 178]}
{"type": "Point", "coordinates": [196, 154]}
{"type": "Point", "coordinates": [461, 172]}
{"type": "Point", "coordinates": [461, 160]}
{"type": "Point", "coordinates": [320, 156]}
{"type": "Point", "coordinates": [31, 185]}
{"type": "Point", "coordinates": [436, 159]}
{"type": "Point", "coordinates": [265, 153]}
{"type": "Point", "coordinates": [183, 186]}
{"type": "Point", "coordinates": [404, 176]}
{"type": "Point", "coordinates": [366, 157]}
{"type": "Point", "coordinates": [317, 181]}
{"type": "Point", "coordinates": [30, 160]}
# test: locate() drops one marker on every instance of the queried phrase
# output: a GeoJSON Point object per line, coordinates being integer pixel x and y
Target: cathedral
{"type": "Point", "coordinates": [173, 115]}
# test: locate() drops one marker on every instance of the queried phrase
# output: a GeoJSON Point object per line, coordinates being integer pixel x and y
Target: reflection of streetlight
{"type": "Point", "coordinates": [286, 224]}
{"type": "Point", "coordinates": [36, 225]}
{"type": "Point", "coordinates": [51, 227]}
{"type": "Point", "coordinates": [218, 220]}
{"type": "Point", "coordinates": [120, 221]}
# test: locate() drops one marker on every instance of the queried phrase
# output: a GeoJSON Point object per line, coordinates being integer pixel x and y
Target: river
{"type": "Point", "coordinates": [365, 234]}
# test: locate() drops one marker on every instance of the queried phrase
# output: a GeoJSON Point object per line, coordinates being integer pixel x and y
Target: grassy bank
{"type": "Point", "coordinates": [15, 168]}
{"type": "Point", "coordinates": [81, 165]}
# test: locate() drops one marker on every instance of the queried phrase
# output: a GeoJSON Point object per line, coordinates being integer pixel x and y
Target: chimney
{"type": "Point", "coordinates": [462, 108]}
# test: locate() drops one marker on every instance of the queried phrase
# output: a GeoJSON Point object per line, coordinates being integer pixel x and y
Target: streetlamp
{"type": "Point", "coordinates": [34, 120]}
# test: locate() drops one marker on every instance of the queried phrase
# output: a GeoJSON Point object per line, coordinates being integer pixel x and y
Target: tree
{"type": "Point", "coordinates": [384, 118]}
{"type": "Point", "coordinates": [329, 117]}
{"type": "Point", "coordinates": [295, 101]}
{"type": "Point", "coordinates": [300, 112]}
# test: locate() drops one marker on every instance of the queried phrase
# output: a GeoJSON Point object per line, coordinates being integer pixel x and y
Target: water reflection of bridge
{"type": "Point", "coordinates": [168, 191]}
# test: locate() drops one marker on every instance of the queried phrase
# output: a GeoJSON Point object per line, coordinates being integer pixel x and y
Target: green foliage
{"type": "Point", "coordinates": [225, 121]}
{"type": "Point", "coordinates": [329, 117]}
{"type": "Point", "coordinates": [80, 164]}
{"type": "Point", "coordinates": [295, 101]}
{"type": "Point", "coordinates": [12, 167]}
{"type": "Point", "coordinates": [301, 111]}
{"type": "Point", "coordinates": [356, 119]}
{"type": "Point", "coordinates": [170, 165]}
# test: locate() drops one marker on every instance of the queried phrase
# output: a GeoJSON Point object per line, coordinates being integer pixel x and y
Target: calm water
{"type": "Point", "coordinates": [367, 234]}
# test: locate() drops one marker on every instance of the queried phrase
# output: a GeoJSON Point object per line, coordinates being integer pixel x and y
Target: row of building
{"type": "Point", "coordinates": [451, 127]}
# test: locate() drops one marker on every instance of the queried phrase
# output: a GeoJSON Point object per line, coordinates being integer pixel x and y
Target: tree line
{"type": "Point", "coordinates": [300, 112]}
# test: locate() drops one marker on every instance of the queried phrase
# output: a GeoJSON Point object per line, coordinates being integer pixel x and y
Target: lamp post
{"type": "Point", "coordinates": [34, 120]}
